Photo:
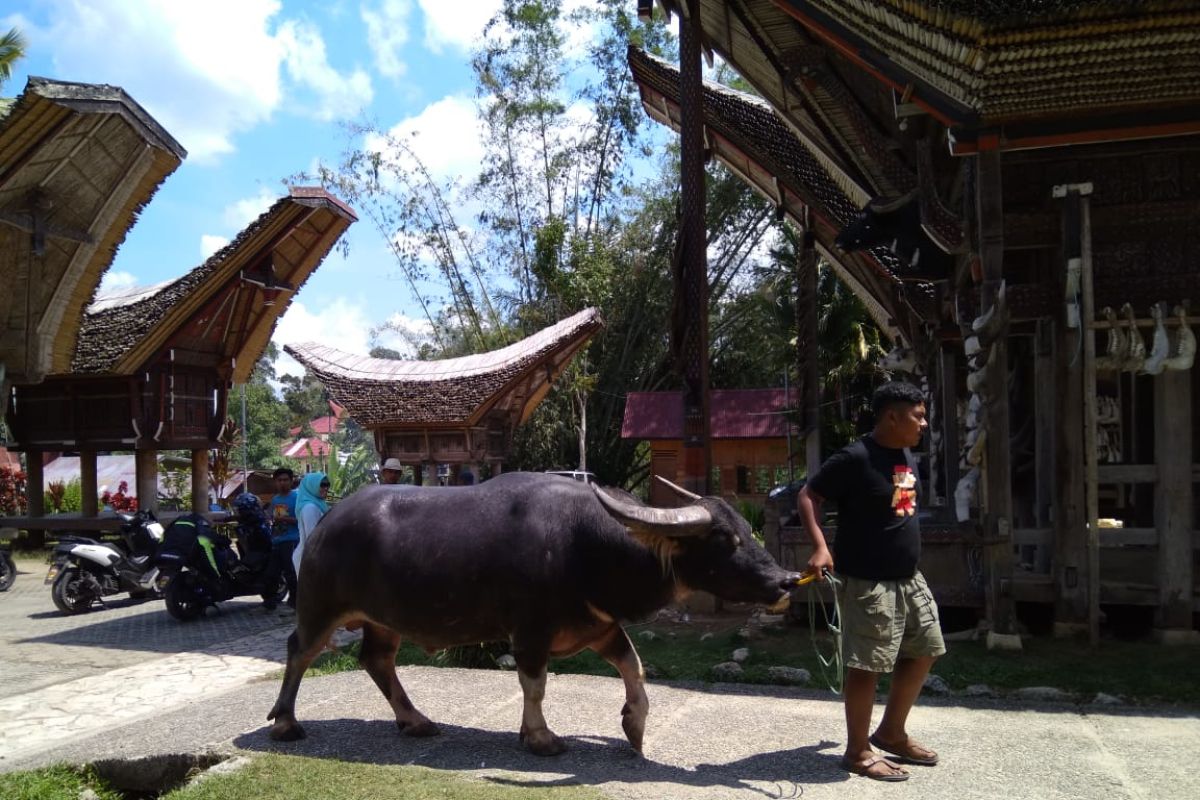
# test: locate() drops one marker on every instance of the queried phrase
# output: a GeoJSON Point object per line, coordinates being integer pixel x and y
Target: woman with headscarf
{"type": "Point", "coordinates": [310, 507]}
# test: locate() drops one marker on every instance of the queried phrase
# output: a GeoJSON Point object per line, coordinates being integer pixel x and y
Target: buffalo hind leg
{"type": "Point", "coordinates": [378, 657]}
{"type": "Point", "coordinates": [302, 651]}
{"type": "Point", "coordinates": [616, 649]}
{"type": "Point", "coordinates": [531, 672]}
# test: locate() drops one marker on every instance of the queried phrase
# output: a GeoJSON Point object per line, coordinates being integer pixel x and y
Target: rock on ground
{"type": "Point", "coordinates": [793, 676]}
{"type": "Point", "coordinates": [935, 684]}
{"type": "Point", "coordinates": [727, 671]}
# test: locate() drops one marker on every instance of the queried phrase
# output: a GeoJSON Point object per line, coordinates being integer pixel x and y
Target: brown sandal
{"type": "Point", "coordinates": [864, 768]}
{"type": "Point", "coordinates": [906, 758]}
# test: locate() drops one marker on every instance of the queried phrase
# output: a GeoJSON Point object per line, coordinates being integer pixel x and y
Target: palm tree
{"type": "Point", "coordinates": [12, 50]}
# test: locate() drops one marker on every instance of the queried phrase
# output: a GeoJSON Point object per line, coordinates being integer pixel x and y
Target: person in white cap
{"type": "Point", "coordinates": [391, 471]}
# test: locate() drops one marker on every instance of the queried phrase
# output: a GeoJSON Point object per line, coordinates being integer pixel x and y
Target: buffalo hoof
{"type": "Point", "coordinates": [423, 728]}
{"type": "Point", "coordinates": [287, 731]}
{"type": "Point", "coordinates": [544, 743]}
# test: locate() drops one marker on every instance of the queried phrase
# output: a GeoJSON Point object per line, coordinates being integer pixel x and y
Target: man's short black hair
{"type": "Point", "coordinates": [893, 393]}
{"type": "Point", "coordinates": [283, 471]}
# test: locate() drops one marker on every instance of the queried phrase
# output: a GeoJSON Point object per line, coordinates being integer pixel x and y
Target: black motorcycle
{"type": "Point", "coordinates": [85, 570]}
{"type": "Point", "coordinates": [8, 570]}
{"type": "Point", "coordinates": [203, 568]}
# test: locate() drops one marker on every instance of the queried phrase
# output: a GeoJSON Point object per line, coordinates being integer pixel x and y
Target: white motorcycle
{"type": "Point", "coordinates": [86, 570]}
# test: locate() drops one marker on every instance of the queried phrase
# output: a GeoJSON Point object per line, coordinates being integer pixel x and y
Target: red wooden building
{"type": "Point", "coordinates": [752, 440]}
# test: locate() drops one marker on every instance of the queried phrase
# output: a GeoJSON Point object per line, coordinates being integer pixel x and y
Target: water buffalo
{"type": "Point", "coordinates": [549, 564]}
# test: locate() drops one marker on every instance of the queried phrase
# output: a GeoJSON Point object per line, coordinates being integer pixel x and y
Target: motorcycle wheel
{"type": "Point", "coordinates": [278, 594]}
{"type": "Point", "coordinates": [183, 601]}
{"type": "Point", "coordinates": [70, 593]}
{"type": "Point", "coordinates": [8, 571]}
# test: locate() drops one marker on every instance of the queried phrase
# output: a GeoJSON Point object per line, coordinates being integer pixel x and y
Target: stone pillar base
{"type": "Point", "coordinates": [1003, 641]}
{"type": "Point", "coordinates": [1171, 636]}
{"type": "Point", "coordinates": [1070, 630]}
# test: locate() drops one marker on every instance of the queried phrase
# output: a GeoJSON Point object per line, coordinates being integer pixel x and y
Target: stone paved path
{"type": "Point", "coordinates": [63, 677]}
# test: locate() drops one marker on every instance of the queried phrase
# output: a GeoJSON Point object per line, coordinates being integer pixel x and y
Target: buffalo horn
{"type": "Point", "coordinates": [679, 490]}
{"type": "Point", "coordinates": [674, 522]}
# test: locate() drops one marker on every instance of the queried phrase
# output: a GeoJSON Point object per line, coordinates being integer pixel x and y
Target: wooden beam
{"type": "Point", "coordinates": [1173, 498]}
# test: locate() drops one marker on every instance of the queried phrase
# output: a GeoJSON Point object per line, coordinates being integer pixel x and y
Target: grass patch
{"type": "Point", "coordinates": [59, 782]}
{"type": "Point", "coordinates": [1143, 672]}
{"type": "Point", "coordinates": [279, 777]}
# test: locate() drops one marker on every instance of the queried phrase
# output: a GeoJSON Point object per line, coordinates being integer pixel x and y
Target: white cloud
{"type": "Point", "coordinates": [240, 213]}
{"type": "Point", "coordinates": [116, 279]}
{"type": "Point", "coordinates": [387, 33]}
{"type": "Point", "coordinates": [340, 324]}
{"type": "Point", "coordinates": [206, 71]}
{"type": "Point", "coordinates": [458, 24]}
{"type": "Point", "coordinates": [210, 244]}
{"type": "Point", "coordinates": [337, 95]}
{"type": "Point", "coordinates": [445, 136]}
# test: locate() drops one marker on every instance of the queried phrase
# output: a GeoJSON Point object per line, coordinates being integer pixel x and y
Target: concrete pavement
{"type": "Point", "coordinates": [702, 742]}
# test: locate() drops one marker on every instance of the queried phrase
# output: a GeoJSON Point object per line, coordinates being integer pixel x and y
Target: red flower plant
{"type": "Point", "coordinates": [119, 501]}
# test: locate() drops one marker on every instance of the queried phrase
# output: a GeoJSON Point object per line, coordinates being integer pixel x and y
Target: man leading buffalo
{"type": "Point", "coordinates": [889, 619]}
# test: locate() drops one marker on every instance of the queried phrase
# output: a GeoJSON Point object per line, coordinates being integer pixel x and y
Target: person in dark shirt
{"type": "Point", "coordinates": [889, 618]}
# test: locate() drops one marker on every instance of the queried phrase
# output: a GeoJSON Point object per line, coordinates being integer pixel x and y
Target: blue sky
{"type": "Point", "coordinates": [254, 89]}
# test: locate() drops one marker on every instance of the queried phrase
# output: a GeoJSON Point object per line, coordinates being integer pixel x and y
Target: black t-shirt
{"type": "Point", "coordinates": [875, 488]}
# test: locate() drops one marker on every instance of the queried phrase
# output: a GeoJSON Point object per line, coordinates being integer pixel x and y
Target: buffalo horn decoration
{"type": "Point", "coordinates": [674, 522]}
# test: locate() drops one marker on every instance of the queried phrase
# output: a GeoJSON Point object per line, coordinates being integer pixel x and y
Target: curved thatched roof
{"type": "Point", "coordinates": [213, 310]}
{"type": "Point", "coordinates": [460, 391]}
{"type": "Point", "coordinates": [77, 164]}
{"type": "Point", "coordinates": [758, 146]}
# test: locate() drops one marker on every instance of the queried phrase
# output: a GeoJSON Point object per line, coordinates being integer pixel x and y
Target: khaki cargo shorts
{"type": "Point", "coordinates": [885, 620]}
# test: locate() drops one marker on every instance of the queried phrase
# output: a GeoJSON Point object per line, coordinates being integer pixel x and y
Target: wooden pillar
{"type": "Point", "coordinates": [1071, 569]}
{"type": "Point", "coordinates": [1070, 515]}
{"type": "Point", "coordinates": [88, 487]}
{"type": "Point", "coordinates": [948, 400]}
{"type": "Point", "coordinates": [146, 466]}
{"type": "Point", "coordinates": [806, 350]}
{"type": "Point", "coordinates": [1046, 421]}
{"type": "Point", "coordinates": [35, 483]}
{"type": "Point", "coordinates": [200, 481]}
{"type": "Point", "coordinates": [997, 519]}
{"type": "Point", "coordinates": [1173, 504]}
{"type": "Point", "coordinates": [691, 285]}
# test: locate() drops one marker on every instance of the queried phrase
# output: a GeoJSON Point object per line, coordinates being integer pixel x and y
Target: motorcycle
{"type": "Point", "coordinates": [203, 568]}
{"type": "Point", "coordinates": [85, 570]}
{"type": "Point", "coordinates": [8, 570]}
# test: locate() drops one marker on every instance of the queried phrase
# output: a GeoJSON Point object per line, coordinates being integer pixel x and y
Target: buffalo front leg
{"type": "Point", "coordinates": [531, 672]}
{"type": "Point", "coordinates": [616, 649]}
{"type": "Point", "coordinates": [378, 657]}
{"type": "Point", "coordinates": [303, 648]}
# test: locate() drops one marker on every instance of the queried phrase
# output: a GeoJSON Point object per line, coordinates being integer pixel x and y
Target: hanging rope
{"type": "Point", "coordinates": [833, 671]}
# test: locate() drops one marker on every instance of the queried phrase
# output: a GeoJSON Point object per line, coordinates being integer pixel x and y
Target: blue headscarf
{"type": "Point", "coordinates": [309, 493]}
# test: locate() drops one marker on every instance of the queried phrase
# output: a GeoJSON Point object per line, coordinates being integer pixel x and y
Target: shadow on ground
{"type": "Point", "coordinates": [591, 760]}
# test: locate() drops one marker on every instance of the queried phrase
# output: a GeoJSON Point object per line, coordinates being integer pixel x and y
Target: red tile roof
{"type": "Point", "coordinates": [321, 426]}
{"type": "Point", "coordinates": [733, 414]}
{"type": "Point", "coordinates": [306, 448]}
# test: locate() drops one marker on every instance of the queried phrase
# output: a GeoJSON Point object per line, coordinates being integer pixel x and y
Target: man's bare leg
{"type": "Point", "coordinates": [892, 734]}
{"type": "Point", "coordinates": [859, 694]}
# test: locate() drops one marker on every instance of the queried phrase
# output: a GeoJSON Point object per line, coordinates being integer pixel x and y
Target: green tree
{"type": "Point", "coordinates": [12, 50]}
{"type": "Point", "coordinates": [267, 416]}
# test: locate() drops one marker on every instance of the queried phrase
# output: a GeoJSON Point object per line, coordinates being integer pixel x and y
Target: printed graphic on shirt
{"type": "Point", "coordinates": [904, 493]}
